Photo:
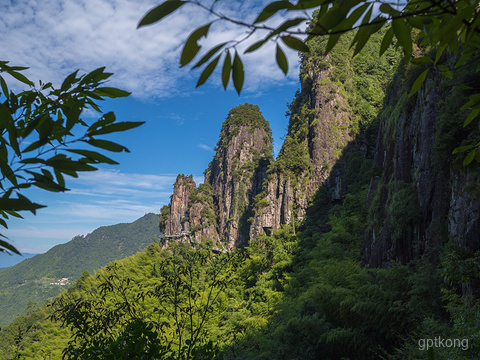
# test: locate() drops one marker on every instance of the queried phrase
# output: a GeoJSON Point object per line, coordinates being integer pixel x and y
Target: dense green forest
{"type": "Point", "coordinates": [303, 291]}
{"type": "Point", "coordinates": [30, 281]}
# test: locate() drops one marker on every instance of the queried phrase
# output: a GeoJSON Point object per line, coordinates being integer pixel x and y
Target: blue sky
{"type": "Point", "coordinates": [54, 38]}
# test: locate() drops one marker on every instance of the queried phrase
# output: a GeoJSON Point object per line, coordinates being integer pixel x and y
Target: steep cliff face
{"type": "Point", "coordinates": [238, 170]}
{"type": "Point", "coordinates": [219, 210]}
{"type": "Point", "coordinates": [318, 132]}
{"type": "Point", "coordinates": [338, 101]}
{"type": "Point", "coordinates": [421, 197]}
{"type": "Point", "coordinates": [418, 197]}
{"type": "Point", "coordinates": [178, 221]}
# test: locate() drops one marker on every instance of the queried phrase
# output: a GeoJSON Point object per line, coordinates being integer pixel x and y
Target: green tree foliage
{"type": "Point", "coordinates": [452, 26]}
{"type": "Point", "coordinates": [160, 309]}
{"type": "Point", "coordinates": [40, 126]}
{"type": "Point", "coordinates": [303, 295]}
{"type": "Point", "coordinates": [32, 336]}
{"type": "Point", "coordinates": [247, 115]}
{"type": "Point", "coordinates": [31, 280]}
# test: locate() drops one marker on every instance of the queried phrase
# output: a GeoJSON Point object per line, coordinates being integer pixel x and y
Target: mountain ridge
{"type": "Point", "coordinates": [70, 260]}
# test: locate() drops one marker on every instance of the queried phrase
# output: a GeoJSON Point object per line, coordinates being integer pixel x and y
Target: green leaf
{"type": "Point", "coordinates": [386, 41]}
{"type": "Point", "coordinates": [237, 73]}
{"type": "Point", "coordinates": [271, 9]}
{"type": "Point", "coordinates": [93, 105]}
{"type": "Point", "coordinates": [418, 82]}
{"type": "Point", "coordinates": [69, 80]}
{"type": "Point", "coordinates": [256, 46]}
{"type": "Point", "coordinates": [473, 114]}
{"type": "Point", "coordinates": [111, 92]}
{"type": "Point", "coordinates": [421, 60]}
{"type": "Point", "coordinates": [33, 160]}
{"type": "Point", "coordinates": [295, 43]}
{"type": "Point", "coordinates": [445, 71]}
{"type": "Point", "coordinates": [4, 87]}
{"type": "Point", "coordinates": [191, 47]}
{"type": "Point", "coordinates": [285, 26]}
{"type": "Point", "coordinates": [106, 119]}
{"type": "Point", "coordinates": [462, 60]}
{"type": "Point", "coordinates": [5, 245]}
{"type": "Point", "coordinates": [7, 122]}
{"type": "Point", "coordinates": [20, 77]}
{"type": "Point", "coordinates": [7, 171]}
{"type": "Point", "coordinates": [45, 127]}
{"type": "Point", "coordinates": [308, 4]}
{"type": "Point", "coordinates": [416, 22]}
{"type": "Point", "coordinates": [116, 127]}
{"type": "Point", "coordinates": [388, 9]}
{"type": "Point", "coordinates": [32, 124]}
{"type": "Point", "coordinates": [473, 102]}
{"type": "Point", "coordinates": [332, 41]}
{"type": "Point", "coordinates": [93, 156]}
{"type": "Point", "coordinates": [469, 158]}
{"type": "Point", "coordinates": [282, 60]}
{"type": "Point", "coordinates": [20, 204]}
{"type": "Point", "coordinates": [35, 145]}
{"type": "Point", "coordinates": [361, 39]}
{"type": "Point", "coordinates": [364, 33]}
{"type": "Point", "coordinates": [462, 149]}
{"type": "Point", "coordinates": [226, 70]}
{"type": "Point", "coordinates": [208, 71]}
{"type": "Point", "coordinates": [440, 51]}
{"type": "Point", "coordinates": [69, 164]}
{"type": "Point", "coordinates": [207, 56]}
{"type": "Point", "coordinates": [60, 178]}
{"type": "Point", "coordinates": [353, 18]}
{"type": "Point", "coordinates": [402, 33]}
{"type": "Point", "coordinates": [160, 11]}
{"type": "Point", "coordinates": [95, 76]}
{"type": "Point", "coordinates": [106, 145]}
{"type": "Point", "coordinates": [14, 214]}
{"type": "Point", "coordinates": [335, 14]}
{"type": "Point", "coordinates": [73, 117]}
{"type": "Point", "coordinates": [45, 181]}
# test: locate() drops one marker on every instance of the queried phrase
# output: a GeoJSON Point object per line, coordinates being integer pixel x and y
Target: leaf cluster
{"type": "Point", "coordinates": [163, 309]}
{"type": "Point", "coordinates": [38, 128]}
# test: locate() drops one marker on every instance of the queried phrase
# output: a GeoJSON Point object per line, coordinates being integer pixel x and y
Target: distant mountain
{"type": "Point", "coordinates": [39, 278]}
{"type": "Point", "coordinates": [7, 260]}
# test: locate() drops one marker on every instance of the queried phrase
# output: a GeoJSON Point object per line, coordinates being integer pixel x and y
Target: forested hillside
{"type": "Point", "coordinates": [362, 243]}
{"type": "Point", "coordinates": [30, 281]}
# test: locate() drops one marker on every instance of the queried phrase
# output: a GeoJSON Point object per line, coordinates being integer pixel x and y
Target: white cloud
{"type": "Point", "coordinates": [56, 37]}
{"type": "Point", "coordinates": [112, 181]}
{"type": "Point", "coordinates": [205, 147]}
{"type": "Point", "coordinates": [103, 197]}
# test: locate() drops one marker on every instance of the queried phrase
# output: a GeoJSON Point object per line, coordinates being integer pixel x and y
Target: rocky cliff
{"type": "Point", "coordinates": [319, 130]}
{"type": "Point", "coordinates": [330, 120]}
{"type": "Point", "coordinates": [179, 212]}
{"type": "Point", "coordinates": [348, 135]}
{"type": "Point", "coordinates": [220, 209]}
{"type": "Point", "coordinates": [422, 197]}
{"type": "Point", "coordinates": [245, 192]}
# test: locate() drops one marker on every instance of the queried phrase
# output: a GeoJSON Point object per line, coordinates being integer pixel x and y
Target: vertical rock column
{"type": "Point", "coordinates": [178, 220]}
